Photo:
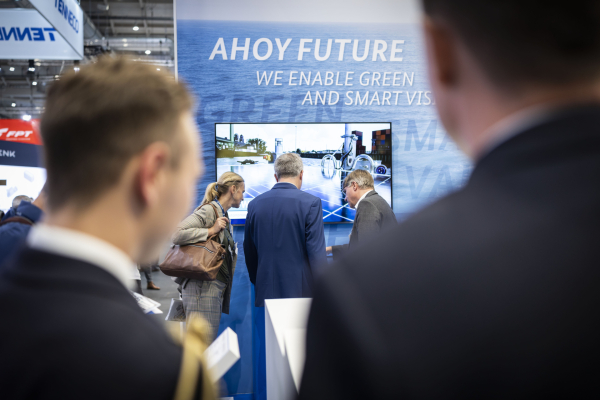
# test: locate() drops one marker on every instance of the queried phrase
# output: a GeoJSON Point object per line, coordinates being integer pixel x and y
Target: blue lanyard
{"type": "Point", "coordinates": [222, 209]}
{"type": "Point", "coordinates": [223, 214]}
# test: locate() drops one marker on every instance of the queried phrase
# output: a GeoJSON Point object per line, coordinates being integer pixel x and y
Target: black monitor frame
{"type": "Point", "coordinates": [312, 123]}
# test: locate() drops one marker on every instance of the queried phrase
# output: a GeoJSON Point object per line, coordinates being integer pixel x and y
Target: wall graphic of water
{"type": "Point", "coordinates": [426, 163]}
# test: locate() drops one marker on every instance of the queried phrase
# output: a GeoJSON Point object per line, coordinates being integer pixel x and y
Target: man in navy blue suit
{"type": "Point", "coordinates": [284, 246]}
{"type": "Point", "coordinates": [284, 241]}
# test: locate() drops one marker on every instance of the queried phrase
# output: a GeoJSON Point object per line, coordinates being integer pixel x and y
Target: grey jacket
{"type": "Point", "coordinates": [373, 215]}
{"type": "Point", "coordinates": [194, 229]}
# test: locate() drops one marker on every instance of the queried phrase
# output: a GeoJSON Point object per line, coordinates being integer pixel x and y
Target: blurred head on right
{"type": "Point", "coordinates": [493, 58]}
{"type": "Point", "coordinates": [119, 135]}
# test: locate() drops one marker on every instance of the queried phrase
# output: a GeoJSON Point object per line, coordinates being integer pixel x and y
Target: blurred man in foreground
{"type": "Point", "coordinates": [122, 158]}
{"type": "Point", "coordinates": [374, 215]}
{"type": "Point", "coordinates": [492, 292]}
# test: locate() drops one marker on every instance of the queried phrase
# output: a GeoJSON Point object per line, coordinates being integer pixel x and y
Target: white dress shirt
{"type": "Point", "coordinates": [80, 246]}
{"type": "Point", "coordinates": [361, 197]}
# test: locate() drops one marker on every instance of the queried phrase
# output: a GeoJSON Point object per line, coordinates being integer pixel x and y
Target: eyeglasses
{"type": "Point", "coordinates": [344, 189]}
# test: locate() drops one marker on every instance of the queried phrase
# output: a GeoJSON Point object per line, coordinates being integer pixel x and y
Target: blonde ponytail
{"type": "Point", "coordinates": [217, 189]}
{"type": "Point", "coordinates": [211, 193]}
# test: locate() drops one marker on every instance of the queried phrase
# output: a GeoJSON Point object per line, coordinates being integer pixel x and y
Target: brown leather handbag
{"type": "Point", "coordinates": [200, 260]}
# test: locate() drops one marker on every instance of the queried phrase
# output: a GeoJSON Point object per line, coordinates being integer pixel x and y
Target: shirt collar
{"type": "Point", "coordinates": [362, 197]}
{"type": "Point", "coordinates": [83, 247]}
{"type": "Point", "coordinates": [284, 185]}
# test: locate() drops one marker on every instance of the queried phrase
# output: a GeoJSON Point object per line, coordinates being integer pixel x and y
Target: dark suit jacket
{"type": "Point", "coordinates": [284, 243]}
{"type": "Point", "coordinates": [492, 292]}
{"type": "Point", "coordinates": [70, 330]}
{"type": "Point", "coordinates": [373, 215]}
{"type": "Point", "coordinates": [13, 234]}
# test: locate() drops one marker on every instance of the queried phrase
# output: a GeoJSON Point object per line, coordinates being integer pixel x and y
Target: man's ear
{"type": "Point", "coordinates": [152, 164]}
{"type": "Point", "coordinates": [441, 52]}
{"type": "Point", "coordinates": [301, 174]}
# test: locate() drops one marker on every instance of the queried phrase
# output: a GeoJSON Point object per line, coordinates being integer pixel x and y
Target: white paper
{"type": "Point", "coordinates": [222, 354]}
{"type": "Point", "coordinates": [146, 304]}
{"type": "Point", "coordinates": [176, 311]}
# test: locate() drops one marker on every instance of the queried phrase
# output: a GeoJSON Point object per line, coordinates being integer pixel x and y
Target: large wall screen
{"type": "Point", "coordinates": [329, 151]}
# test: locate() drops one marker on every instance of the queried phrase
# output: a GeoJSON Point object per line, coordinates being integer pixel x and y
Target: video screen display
{"type": "Point", "coordinates": [329, 151]}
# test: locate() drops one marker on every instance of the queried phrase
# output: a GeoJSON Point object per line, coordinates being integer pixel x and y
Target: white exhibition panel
{"type": "Point", "coordinates": [66, 17]}
{"type": "Point", "coordinates": [25, 34]}
{"type": "Point", "coordinates": [295, 350]}
{"type": "Point", "coordinates": [285, 336]}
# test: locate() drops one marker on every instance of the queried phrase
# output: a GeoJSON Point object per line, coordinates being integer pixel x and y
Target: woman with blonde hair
{"type": "Point", "coordinates": [209, 299]}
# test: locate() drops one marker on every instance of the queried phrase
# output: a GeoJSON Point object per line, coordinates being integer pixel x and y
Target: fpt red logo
{"type": "Point", "coordinates": [16, 130]}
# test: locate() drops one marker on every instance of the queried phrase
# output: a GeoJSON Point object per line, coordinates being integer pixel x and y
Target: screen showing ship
{"type": "Point", "coordinates": [329, 152]}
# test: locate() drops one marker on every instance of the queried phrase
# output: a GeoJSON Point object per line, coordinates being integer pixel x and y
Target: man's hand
{"type": "Point", "coordinates": [220, 224]}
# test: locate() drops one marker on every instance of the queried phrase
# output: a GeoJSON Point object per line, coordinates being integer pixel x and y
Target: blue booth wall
{"type": "Point", "coordinates": [238, 381]}
{"type": "Point", "coordinates": [426, 163]}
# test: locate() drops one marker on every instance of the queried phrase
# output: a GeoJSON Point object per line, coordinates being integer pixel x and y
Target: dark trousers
{"type": "Point", "coordinates": [147, 270]}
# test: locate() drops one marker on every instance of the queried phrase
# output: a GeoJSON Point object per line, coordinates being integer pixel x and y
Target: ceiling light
{"type": "Point", "coordinates": [136, 28]}
{"type": "Point", "coordinates": [12, 68]}
{"type": "Point", "coordinates": [31, 69]}
{"type": "Point", "coordinates": [26, 117]}
{"type": "Point", "coordinates": [56, 76]}
{"type": "Point", "coordinates": [75, 69]}
{"type": "Point", "coordinates": [34, 83]}
{"type": "Point", "coordinates": [125, 45]}
{"type": "Point", "coordinates": [148, 52]}
{"type": "Point", "coordinates": [158, 69]}
{"type": "Point", "coordinates": [124, 40]}
{"type": "Point", "coordinates": [13, 104]}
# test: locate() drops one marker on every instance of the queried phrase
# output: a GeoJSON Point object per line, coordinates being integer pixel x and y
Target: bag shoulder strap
{"type": "Point", "coordinates": [214, 208]}
{"type": "Point", "coordinates": [17, 219]}
{"type": "Point", "coordinates": [216, 216]}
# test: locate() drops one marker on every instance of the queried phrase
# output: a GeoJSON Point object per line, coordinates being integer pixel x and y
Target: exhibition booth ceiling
{"type": "Point", "coordinates": [140, 29]}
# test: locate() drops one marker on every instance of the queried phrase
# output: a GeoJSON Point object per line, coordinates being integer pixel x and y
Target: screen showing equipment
{"type": "Point", "coordinates": [329, 151]}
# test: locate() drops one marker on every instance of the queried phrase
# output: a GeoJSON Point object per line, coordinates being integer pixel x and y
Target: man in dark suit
{"type": "Point", "coordinates": [121, 155]}
{"type": "Point", "coordinates": [284, 241]}
{"type": "Point", "coordinates": [284, 245]}
{"type": "Point", "coordinates": [14, 229]}
{"type": "Point", "coordinates": [374, 215]}
{"type": "Point", "coordinates": [491, 292]}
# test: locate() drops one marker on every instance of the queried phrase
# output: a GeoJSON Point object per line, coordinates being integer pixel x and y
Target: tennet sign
{"type": "Point", "coordinates": [63, 9]}
{"type": "Point", "coordinates": [25, 34]}
{"type": "Point", "coordinates": [66, 16]}
{"type": "Point", "coordinates": [18, 34]}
